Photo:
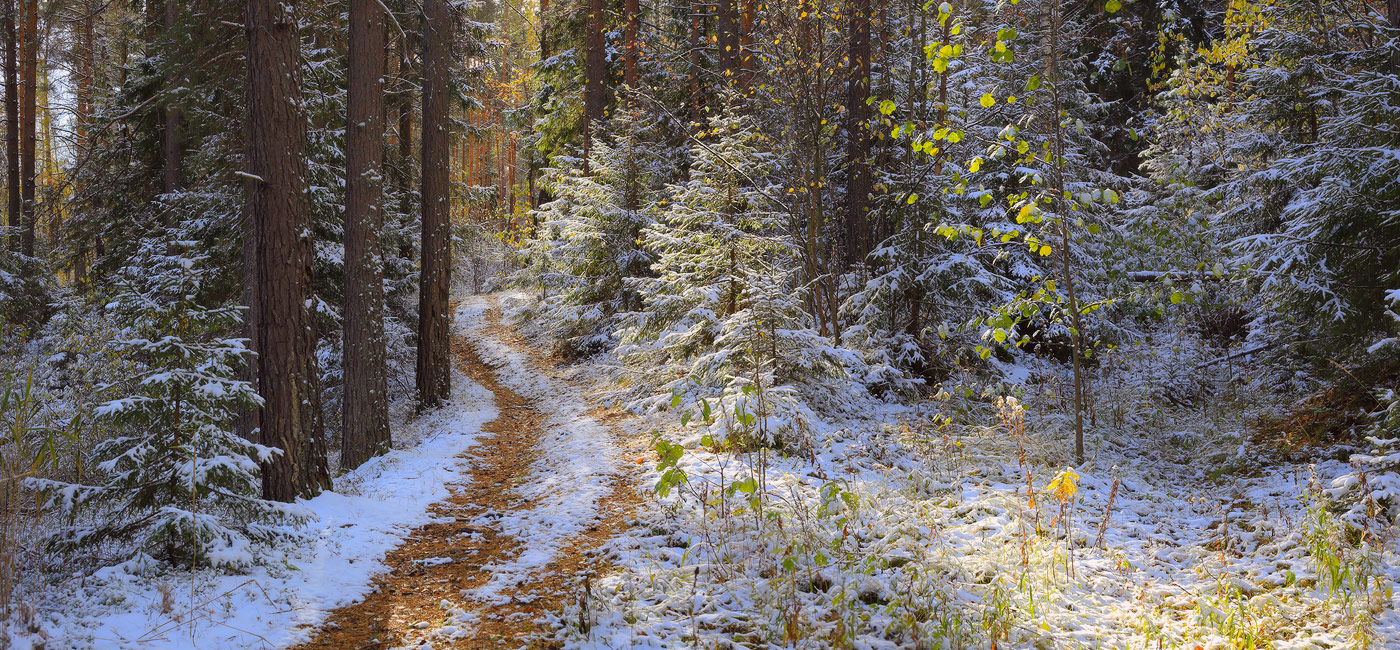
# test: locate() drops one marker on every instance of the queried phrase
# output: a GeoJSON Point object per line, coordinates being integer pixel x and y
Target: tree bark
{"type": "Point", "coordinates": [1392, 12]}
{"type": "Point", "coordinates": [172, 154]}
{"type": "Point", "coordinates": [697, 45]}
{"type": "Point", "coordinates": [629, 38]}
{"type": "Point", "coordinates": [365, 428]}
{"type": "Point", "coordinates": [86, 83]}
{"type": "Point", "coordinates": [544, 29]}
{"type": "Point", "coordinates": [28, 110]}
{"type": "Point", "coordinates": [727, 26]}
{"type": "Point", "coordinates": [857, 138]}
{"type": "Point", "coordinates": [404, 167]}
{"type": "Point", "coordinates": [280, 214]}
{"type": "Point", "coordinates": [748, 15]}
{"type": "Point", "coordinates": [595, 68]}
{"type": "Point", "coordinates": [13, 210]}
{"type": "Point", "coordinates": [434, 377]}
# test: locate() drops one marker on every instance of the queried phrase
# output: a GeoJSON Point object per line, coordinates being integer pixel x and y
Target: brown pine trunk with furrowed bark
{"type": "Point", "coordinates": [857, 138]}
{"type": "Point", "coordinates": [365, 425]}
{"type": "Point", "coordinates": [631, 51]}
{"type": "Point", "coordinates": [748, 16]}
{"type": "Point", "coordinates": [13, 209]}
{"type": "Point", "coordinates": [727, 33]}
{"type": "Point", "coordinates": [404, 166]}
{"type": "Point", "coordinates": [28, 110]}
{"type": "Point", "coordinates": [280, 215]}
{"type": "Point", "coordinates": [434, 375]}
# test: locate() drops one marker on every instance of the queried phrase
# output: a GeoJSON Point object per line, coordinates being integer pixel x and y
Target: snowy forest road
{"type": "Point", "coordinates": [519, 539]}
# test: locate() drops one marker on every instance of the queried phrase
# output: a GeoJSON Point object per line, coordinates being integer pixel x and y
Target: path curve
{"type": "Point", "coordinates": [519, 539]}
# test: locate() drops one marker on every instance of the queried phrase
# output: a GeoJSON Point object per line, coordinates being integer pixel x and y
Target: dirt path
{"type": "Point", "coordinates": [439, 564]}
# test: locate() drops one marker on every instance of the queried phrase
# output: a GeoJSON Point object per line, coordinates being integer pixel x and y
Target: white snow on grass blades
{"type": "Point", "coordinates": [282, 601]}
{"type": "Point", "coordinates": [908, 535]}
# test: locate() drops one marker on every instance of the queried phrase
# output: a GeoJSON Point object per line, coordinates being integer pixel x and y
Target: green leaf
{"type": "Point", "coordinates": [1033, 82]}
{"type": "Point", "coordinates": [747, 486]}
{"type": "Point", "coordinates": [987, 100]}
{"type": "Point", "coordinates": [887, 107]}
{"type": "Point", "coordinates": [1112, 6]}
{"type": "Point", "coordinates": [1177, 297]}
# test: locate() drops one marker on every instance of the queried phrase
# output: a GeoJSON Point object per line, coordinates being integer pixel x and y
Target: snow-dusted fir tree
{"type": "Point", "coordinates": [724, 309]}
{"type": "Point", "coordinates": [919, 284]}
{"type": "Point", "coordinates": [595, 224]}
{"type": "Point", "coordinates": [974, 205]}
{"type": "Point", "coordinates": [176, 483]}
{"type": "Point", "coordinates": [1288, 123]}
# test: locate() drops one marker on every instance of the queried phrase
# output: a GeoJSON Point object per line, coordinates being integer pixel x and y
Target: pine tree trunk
{"type": "Point", "coordinates": [727, 26]}
{"type": "Point", "coordinates": [83, 119]}
{"type": "Point", "coordinates": [857, 138]}
{"type": "Point", "coordinates": [434, 378]}
{"type": "Point", "coordinates": [278, 208]}
{"type": "Point", "coordinates": [172, 155]}
{"type": "Point", "coordinates": [1392, 12]}
{"type": "Point", "coordinates": [595, 68]}
{"type": "Point", "coordinates": [405, 154]}
{"type": "Point", "coordinates": [366, 414]}
{"type": "Point", "coordinates": [544, 29]}
{"type": "Point", "coordinates": [697, 45]}
{"type": "Point", "coordinates": [29, 82]}
{"type": "Point", "coordinates": [747, 17]}
{"type": "Point", "coordinates": [629, 39]}
{"type": "Point", "coordinates": [13, 211]}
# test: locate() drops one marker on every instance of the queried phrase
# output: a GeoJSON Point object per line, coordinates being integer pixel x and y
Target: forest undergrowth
{"type": "Point", "coordinates": [961, 522]}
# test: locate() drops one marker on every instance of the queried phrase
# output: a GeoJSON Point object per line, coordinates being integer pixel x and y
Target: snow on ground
{"type": "Point", "coordinates": [370, 512]}
{"type": "Point", "coordinates": [578, 459]}
{"type": "Point", "coordinates": [895, 531]}
{"type": "Point", "coordinates": [941, 548]}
